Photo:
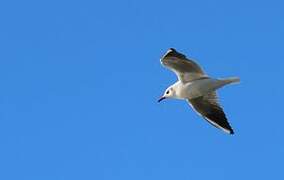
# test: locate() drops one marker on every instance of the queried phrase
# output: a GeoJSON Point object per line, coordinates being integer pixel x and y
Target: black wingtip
{"type": "Point", "coordinates": [228, 130]}
{"type": "Point", "coordinates": [172, 52]}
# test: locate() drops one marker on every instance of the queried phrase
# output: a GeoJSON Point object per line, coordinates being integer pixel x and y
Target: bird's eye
{"type": "Point", "coordinates": [167, 92]}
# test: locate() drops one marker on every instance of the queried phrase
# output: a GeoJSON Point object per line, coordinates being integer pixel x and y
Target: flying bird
{"type": "Point", "coordinates": [197, 88]}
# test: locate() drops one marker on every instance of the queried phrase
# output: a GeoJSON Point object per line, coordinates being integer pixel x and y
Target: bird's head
{"type": "Point", "coordinates": [169, 93]}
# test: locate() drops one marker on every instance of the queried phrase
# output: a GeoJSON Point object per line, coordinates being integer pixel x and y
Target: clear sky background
{"type": "Point", "coordinates": [80, 82]}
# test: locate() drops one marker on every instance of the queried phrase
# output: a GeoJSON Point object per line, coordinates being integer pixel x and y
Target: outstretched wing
{"type": "Point", "coordinates": [208, 107]}
{"type": "Point", "coordinates": [186, 70]}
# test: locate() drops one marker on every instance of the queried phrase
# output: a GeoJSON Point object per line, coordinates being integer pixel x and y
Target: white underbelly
{"type": "Point", "coordinates": [198, 88]}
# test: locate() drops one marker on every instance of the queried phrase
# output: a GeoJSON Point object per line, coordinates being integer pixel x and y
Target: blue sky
{"type": "Point", "coordinates": [80, 82]}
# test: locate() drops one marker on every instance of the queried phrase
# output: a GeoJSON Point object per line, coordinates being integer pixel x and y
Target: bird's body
{"type": "Point", "coordinates": [197, 88]}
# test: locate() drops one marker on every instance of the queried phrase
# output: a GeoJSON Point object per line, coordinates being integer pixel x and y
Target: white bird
{"type": "Point", "coordinates": [198, 89]}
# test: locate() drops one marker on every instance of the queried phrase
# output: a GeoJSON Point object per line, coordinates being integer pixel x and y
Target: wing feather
{"type": "Point", "coordinates": [209, 108]}
{"type": "Point", "coordinates": [186, 69]}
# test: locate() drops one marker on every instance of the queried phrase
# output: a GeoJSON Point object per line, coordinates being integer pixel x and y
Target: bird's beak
{"type": "Point", "coordinates": [161, 98]}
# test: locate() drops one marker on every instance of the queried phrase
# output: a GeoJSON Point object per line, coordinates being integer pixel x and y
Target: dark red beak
{"type": "Point", "coordinates": [162, 98]}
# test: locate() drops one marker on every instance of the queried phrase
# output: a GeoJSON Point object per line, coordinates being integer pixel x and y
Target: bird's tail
{"type": "Point", "coordinates": [231, 80]}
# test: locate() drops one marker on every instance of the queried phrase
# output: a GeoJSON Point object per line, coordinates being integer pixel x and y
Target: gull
{"type": "Point", "coordinates": [197, 88]}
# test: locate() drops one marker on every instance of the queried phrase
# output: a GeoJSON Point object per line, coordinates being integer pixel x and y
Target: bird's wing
{"type": "Point", "coordinates": [209, 108]}
{"type": "Point", "coordinates": [186, 70]}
